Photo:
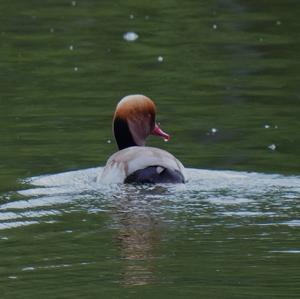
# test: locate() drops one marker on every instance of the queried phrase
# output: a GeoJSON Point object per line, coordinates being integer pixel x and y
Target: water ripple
{"type": "Point", "coordinates": [207, 193]}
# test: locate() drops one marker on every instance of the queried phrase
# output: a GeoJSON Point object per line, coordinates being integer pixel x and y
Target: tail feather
{"type": "Point", "coordinates": [154, 175]}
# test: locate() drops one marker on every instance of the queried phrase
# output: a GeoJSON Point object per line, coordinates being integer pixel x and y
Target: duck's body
{"type": "Point", "coordinates": [143, 164]}
{"type": "Point", "coordinates": [133, 121]}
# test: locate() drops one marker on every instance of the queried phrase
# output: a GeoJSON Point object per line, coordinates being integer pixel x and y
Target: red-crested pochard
{"type": "Point", "coordinates": [133, 122]}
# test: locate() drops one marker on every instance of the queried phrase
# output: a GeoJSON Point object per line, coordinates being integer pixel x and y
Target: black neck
{"type": "Point", "coordinates": [122, 134]}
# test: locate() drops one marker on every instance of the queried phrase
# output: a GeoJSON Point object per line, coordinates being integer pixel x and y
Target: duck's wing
{"type": "Point", "coordinates": [127, 161]}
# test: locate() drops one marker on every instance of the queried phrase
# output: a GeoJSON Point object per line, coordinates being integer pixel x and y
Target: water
{"type": "Point", "coordinates": [224, 231]}
{"type": "Point", "coordinates": [224, 75]}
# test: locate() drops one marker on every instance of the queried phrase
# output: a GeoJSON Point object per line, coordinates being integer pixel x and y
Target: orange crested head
{"type": "Point", "coordinates": [134, 121]}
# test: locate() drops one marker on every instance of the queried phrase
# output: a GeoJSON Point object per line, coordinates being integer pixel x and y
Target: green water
{"type": "Point", "coordinates": [227, 65]}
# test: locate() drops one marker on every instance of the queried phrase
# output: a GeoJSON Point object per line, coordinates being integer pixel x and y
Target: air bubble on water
{"type": "Point", "coordinates": [108, 141]}
{"type": "Point", "coordinates": [261, 39]}
{"type": "Point", "coordinates": [215, 26]}
{"type": "Point", "coordinates": [130, 36]}
{"type": "Point", "coordinates": [75, 69]}
{"type": "Point", "coordinates": [275, 127]}
{"type": "Point", "coordinates": [160, 59]}
{"type": "Point", "coordinates": [267, 126]}
{"type": "Point", "coordinates": [278, 22]}
{"type": "Point", "coordinates": [73, 3]}
{"type": "Point", "coordinates": [51, 30]}
{"type": "Point", "coordinates": [131, 17]}
{"type": "Point", "coordinates": [71, 48]}
{"type": "Point", "coordinates": [272, 147]}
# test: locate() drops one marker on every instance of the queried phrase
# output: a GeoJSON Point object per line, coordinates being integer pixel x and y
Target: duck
{"type": "Point", "coordinates": [134, 162]}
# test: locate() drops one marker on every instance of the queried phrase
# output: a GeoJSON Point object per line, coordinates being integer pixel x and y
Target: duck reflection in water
{"type": "Point", "coordinates": [139, 236]}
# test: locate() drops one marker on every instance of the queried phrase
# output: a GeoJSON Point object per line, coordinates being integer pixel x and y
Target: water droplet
{"type": "Point", "coordinates": [214, 130]}
{"type": "Point", "coordinates": [130, 36]}
{"type": "Point", "coordinates": [160, 59]}
{"type": "Point", "coordinates": [272, 147]}
{"type": "Point", "coordinates": [215, 26]}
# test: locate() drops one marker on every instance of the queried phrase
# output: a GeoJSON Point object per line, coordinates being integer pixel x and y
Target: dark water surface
{"type": "Point", "coordinates": [225, 78]}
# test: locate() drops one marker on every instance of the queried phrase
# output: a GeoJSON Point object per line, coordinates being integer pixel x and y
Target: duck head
{"type": "Point", "coordinates": [134, 121]}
